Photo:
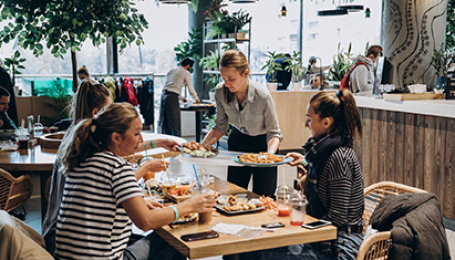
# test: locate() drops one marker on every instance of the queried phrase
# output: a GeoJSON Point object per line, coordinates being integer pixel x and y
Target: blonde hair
{"type": "Point", "coordinates": [93, 135]}
{"type": "Point", "coordinates": [234, 59]}
{"type": "Point", "coordinates": [88, 97]}
{"type": "Point", "coordinates": [342, 108]}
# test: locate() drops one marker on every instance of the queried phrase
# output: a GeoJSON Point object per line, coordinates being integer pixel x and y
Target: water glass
{"type": "Point", "coordinates": [37, 129]}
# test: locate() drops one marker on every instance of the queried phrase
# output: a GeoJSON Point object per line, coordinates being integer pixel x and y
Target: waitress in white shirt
{"type": "Point", "coordinates": [249, 108]}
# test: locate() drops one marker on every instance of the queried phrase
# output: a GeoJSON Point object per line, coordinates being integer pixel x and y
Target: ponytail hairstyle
{"type": "Point", "coordinates": [88, 97]}
{"type": "Point", "coordinates": [342, 108]}
{"type": "Point", "coordinates": [91, 136]}
{"type": "Point", "coordinates": [234, 59]}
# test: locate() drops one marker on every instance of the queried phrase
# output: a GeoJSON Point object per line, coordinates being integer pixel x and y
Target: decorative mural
{"type": "Point", "coordinates": [411, 31]}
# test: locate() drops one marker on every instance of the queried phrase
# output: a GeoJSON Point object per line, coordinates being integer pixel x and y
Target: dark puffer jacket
{"type": "Point", "coordinates": [416, 224]}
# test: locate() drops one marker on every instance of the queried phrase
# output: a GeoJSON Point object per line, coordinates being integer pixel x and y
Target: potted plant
{"type": "Point", "coordinates": [237, 21]}
{"type": "Point", "coordinates": [441, 61]}
{"type": "Point", "coordinates": [211, 61]}
{"type": "Point", "coordinates": [13, 64]}
{"type": "Point", "coordinates": [211, 82]}
{"type": "Point", "coordinates": [342, 62]}
{"type": "Point", "coordinates": [297, 69]}
{"type": "Point", "coordinates": [272, 66]}
{"type": "Point", "coordinates": [190, 48]}
{"type": "Point", "coordinates": [217, 19]}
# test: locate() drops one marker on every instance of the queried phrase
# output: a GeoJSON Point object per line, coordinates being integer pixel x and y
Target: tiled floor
{"type": "Point", "coordinates": [286, 173]}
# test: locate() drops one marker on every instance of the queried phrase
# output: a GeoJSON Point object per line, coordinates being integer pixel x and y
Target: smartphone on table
{"type": "Point", "coordinates": [273, 225]}
{"type": "Point", "coordinates": [200, 236]}
{"type": "Point", "coordinates": [316, 224]}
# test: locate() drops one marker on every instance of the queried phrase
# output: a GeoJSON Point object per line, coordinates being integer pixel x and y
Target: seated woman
{"type": "Point", "coordinates": [88, 100]}
{"type": "Point", "coordinates": [334, 182]}
{"type": "Point", "coordinates": [101, 196]}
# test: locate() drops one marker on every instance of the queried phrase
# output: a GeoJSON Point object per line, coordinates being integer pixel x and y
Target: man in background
{"type": "Point", "coordinates": [361, 78]}
{"type": "Point", "coordinates": [6, 82]}
{"type": "Point", "coordinates": [176, 79]}
{"type": "Point", "coordinates": [5, 121]}
{"type": "Point", "coordinates": [317, 82]}
{"type": "Point", "coordinates": [283, 76]}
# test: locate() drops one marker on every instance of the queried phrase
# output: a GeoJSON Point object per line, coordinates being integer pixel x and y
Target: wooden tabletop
{"type": "Point", "coordinates": [227, 244]}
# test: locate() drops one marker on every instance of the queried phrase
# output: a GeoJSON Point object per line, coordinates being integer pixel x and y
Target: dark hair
{"type": "Point", "coordinates": [93, 135]}
{"type": "Point", "coordinates": [287, 55]}
{"type": "Point", "coordinates": [187, 61]}
{"type": "Point", "coordinates": [234, 59]}
{"type": "Point", "coordinates": [4, 92]}
{"type": "Point", "coordinates": [375, 50]}
{"type": "Point", "coordinates": [82, 70]}
{"type": "Point", "coordinates": [88, 97]}
{"type": "Point", "coordinates": [342, 108]}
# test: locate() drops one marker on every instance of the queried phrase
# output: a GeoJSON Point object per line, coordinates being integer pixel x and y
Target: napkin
{"type": "Point", "coordinates": [418, 88]}
{"type": "Point", "coordinates": [238, 230]}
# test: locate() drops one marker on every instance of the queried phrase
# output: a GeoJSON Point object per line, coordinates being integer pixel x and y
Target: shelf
{"type": "Point", "coordinates": [211, 72]}
{"type": "Point", "coordinates": [226, 40]}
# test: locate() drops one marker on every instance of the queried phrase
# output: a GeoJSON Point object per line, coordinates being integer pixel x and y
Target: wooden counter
{"type": "Point", "coordinates": [291, 109]}
{"type": "Point", "coordinates": [410, 142]}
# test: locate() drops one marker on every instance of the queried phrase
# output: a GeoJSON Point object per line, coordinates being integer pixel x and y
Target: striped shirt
{"type": "Point", "coordinates": [92, 223]}
{"type": "Point", "coordinates": [341, 188]}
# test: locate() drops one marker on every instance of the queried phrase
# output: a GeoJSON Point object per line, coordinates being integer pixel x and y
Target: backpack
{"type": "Point", "coordinates": [345, 81]}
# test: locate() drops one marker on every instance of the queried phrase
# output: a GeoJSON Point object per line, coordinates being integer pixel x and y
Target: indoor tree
{"type": "Point", "coordinates": [64, 25]}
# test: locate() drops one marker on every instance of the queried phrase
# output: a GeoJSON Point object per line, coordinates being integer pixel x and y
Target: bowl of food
{"type": "Point", "coordinates": [6, 134]}
{"type": "Point", "coordinates": [51, 141]}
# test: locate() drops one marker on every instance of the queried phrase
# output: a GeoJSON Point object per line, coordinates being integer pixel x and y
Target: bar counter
{"type": "Point", "coordinates": [409, 142]}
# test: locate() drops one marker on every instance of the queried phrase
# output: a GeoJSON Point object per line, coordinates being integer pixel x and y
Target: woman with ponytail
{"type": "Point", "coordinates": [332, 178]}
{"type": "Point", "coordinates": [101, 197]}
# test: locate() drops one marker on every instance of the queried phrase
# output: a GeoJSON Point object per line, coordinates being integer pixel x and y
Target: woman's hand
{"type": "Point", "coordinates": [152, 203]}
{"type": "Point", "coordinates": [155, 165]}
{"type": "Point", "coordinates": [297, 158]}
{"type": "Point", "coordinates": [201, 203]}
{"type": "Point", "coordinates": [168, 144]}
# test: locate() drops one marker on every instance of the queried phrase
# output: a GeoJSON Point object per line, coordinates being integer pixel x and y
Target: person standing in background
{"type": "Point", "coordinates": [5, 120]}
{"type": "Point", "coordinates": [283, 76]}
{"type": "Point", "coordinates": [176, 79]}
{"type": "Point", "coordinates": [83, 75]}
{"type": "Point", "coordinates": [361, 78]}
{"type": "Point", "coordinates": [5, 82]}
{"type": "Point", "coordinates": [249, 108]}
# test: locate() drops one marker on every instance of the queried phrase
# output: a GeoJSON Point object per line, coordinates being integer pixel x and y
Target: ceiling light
{"type": "Point", "coordinates": [367, 13]}
{"type": "Point", "coordinates": [351, 8]}
{"type": "Point", "coordinates": [284, 11]}
{"type": "Point", "coordinates": [332, 12]}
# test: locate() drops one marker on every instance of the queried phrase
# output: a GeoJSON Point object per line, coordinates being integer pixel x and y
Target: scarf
{"type": "Point", "coordinates": [317, 151]}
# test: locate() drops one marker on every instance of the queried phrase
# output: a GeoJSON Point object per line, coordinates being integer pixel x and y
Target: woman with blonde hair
{"type": "Point", "coordinates": [101, 196]}
{"type": "Point", "coordinates": [87, 102]}
{"type": "Point", "coordinates": [249, 108]}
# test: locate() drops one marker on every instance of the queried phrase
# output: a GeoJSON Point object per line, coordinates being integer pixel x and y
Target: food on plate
{"type": "Point", "coordinates": [196, 149]}
{"type": "Point", "coordinates": [183, 190]}
{"type": "Point", "coordinates": [268, 203]}
{"type": "Point", "coordinates": [260, 158]}
{"type": "Point", "coordinates": [233, 203]}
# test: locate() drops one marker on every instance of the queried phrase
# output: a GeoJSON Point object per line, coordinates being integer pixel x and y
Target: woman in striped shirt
{"type": "Point", "coordinates": [101, 196]}
{"type": "Point", "coordinates": [333, 179]}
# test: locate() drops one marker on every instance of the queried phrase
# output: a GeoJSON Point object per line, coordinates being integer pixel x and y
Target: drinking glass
{"type": "Point", "coordinates": [37, 129]}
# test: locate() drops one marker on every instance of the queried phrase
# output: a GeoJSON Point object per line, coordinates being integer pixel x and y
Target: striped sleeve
{"type": "Point", "coordinates": [124, 184]}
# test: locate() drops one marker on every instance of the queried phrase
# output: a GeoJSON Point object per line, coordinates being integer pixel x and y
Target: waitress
{"type": "Point", "coordinates": [249, 108]}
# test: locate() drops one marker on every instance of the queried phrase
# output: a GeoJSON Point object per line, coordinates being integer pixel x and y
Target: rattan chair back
{"type": "Point", "coordinates": [14, 191]}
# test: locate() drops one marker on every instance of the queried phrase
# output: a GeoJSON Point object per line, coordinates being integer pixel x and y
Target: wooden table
{"type": "Point", "coordinates": [227, 244]}
{"type": "Point", "coordinates": [41, 161]}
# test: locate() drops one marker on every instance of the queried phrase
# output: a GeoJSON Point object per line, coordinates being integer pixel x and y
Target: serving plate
{"type": "Point", "coordinates": [185, 219]}
{"type": "Point", "coordinates": [286, 160]}
{"type": "Point", "coordinates": [214, 150]}
{"type": "Point", "coordinates": [237, 212]}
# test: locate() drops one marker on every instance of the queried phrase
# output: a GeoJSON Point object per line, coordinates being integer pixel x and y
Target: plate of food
{"type": "Point", "coordinates": [233, 205]}
{"type": "Point", "coordinates": [198, 150]}
{"type": "Point", "coordinates": [185, 219]}
{"type": "Point", "coordinates": [261, 159]}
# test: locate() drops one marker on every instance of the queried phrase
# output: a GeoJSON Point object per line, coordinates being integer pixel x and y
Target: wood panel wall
{"type": "Point", "coordinates": [415, 150]}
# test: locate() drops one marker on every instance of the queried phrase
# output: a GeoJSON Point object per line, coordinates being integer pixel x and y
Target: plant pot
{"type": "Point", "coordinates": [440, 85]}
{"type": "Point", "coordinates": [240, 35]}
{"type": "Point", "coordinates": [212, 95]}
{"type": "Point", "coordinates": [296, 86]}
{"type": "Point", "coordinates": [272, 86]}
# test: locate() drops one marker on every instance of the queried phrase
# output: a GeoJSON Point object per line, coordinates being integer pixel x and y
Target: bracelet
{"type": "Point", "coordinates": [304, 162]}
{"type": "Point", "coordinates": [152, 143]}
{"type": "Point", "coordinates": [176, 212]}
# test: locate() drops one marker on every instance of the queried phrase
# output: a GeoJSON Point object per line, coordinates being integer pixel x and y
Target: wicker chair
{"type": "Point", "coordinates": [376, 247]}
{"type": "Point", "coordinates": [14, 191]}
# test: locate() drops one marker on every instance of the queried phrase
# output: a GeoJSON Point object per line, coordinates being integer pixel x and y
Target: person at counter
{"type": "Point", "coordinates": [317, 82]}
{"type": "Point", "coordinates": [361, 78]}
{"type": "Point", "coordinates": [102, 198]}
{"type": "Point", "coordinates": [87, 102]}
{"type": "Point", "coordinates": [249, 108]}
{"type": "Point", "coordinates": [176, 79]}
{"type": "Point", "coordinates": [5, 121]}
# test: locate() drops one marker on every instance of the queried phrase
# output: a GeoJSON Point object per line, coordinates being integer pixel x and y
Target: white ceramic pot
{"type": "Point", "coordinates": [272, 86]}
{"type": "Point", "coordinates": [296, 86]}
{"type": "Point", "coordinates": [212, 96]}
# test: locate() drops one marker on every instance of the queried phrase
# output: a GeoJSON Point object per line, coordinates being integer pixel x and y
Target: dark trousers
{"type": "Point", "coordinates": [169, 121]}
{"type": "Point", "coordinates": [264, 178]}
{"type": "Point", "coordinates": [152, 247]}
